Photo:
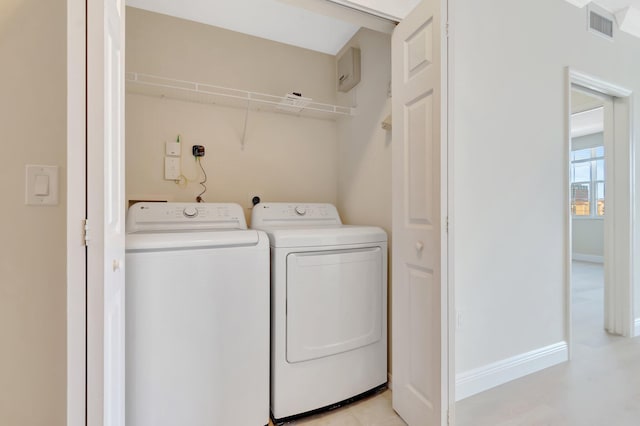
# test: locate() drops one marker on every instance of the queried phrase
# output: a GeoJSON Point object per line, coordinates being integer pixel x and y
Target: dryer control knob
{"type": "Point", "coordinates": [301, 211]}
{"type": "Point", "coordinates": [190, 212]}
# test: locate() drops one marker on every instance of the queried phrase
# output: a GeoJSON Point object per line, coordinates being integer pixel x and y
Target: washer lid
{"type": "Point", "coordinates": [324, 235]}
{"type": "Point", "coordinates": [192, 240]}
{"type": "Point", "coordinates": [171, 217]}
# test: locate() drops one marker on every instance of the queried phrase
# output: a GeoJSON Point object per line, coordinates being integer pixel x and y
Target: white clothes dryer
{"type": "Point", "coordinates": [328, 307]}
{"type": "Point", "coordinates": [197, 312]}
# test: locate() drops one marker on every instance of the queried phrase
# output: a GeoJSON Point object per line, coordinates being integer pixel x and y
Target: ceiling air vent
{"type": "Point", "coordinates": [601, 23]}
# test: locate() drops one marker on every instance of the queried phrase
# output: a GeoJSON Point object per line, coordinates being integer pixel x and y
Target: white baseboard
{"type": "Point", "coordinates": [593, 258]}
{"type": "Point", "coordinates": [389, 382]}
{"type": "Point", "coordinates": [492, 375]}
{"type": "Point", "coordinates": [637, 328]}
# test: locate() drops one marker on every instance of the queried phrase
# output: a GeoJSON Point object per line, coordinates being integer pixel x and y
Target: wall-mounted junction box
{"type": "Point", "coordinates": [172, 152]}
{"type": "Point", "coordinates": [349, 69]}
{"type": "Point", "coordinates": [172, 149]}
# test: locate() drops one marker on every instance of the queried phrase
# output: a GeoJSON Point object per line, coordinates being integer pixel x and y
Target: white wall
{"type": "Point", "coordinates": [364, 148]}
{"type": "Point", "coordinates": [509, 196]}
{"type": "Point", "coordinates": [587, 141]}
{"type": "Point", "coordinates": [395, 8]}
{"type": "Point", "coordinates": [286, 157]}
{"type": "Point", "coordinates": [587, 238]}
{"type": "Point", "coordinates": [32, 253]}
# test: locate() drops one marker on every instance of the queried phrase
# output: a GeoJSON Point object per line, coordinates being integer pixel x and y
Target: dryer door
{"type": "Point", "coordinates": [334, 301]}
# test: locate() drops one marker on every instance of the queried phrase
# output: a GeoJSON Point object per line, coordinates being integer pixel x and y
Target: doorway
{"type": "Point", "coordinates": [599, 172]}
{"type": "Point", "coordinates": [587, 165]}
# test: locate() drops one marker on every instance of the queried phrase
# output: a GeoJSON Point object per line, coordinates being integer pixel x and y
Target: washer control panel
{"type": "Point", "coordinates": [159, 217]}
{"type": "Point", "coordinates": [291, 214]}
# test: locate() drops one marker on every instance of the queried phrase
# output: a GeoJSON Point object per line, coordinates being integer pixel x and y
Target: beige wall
{"type": "Point", "coordinates": [364, 183]}
{"type": "Point", "coordinates": [32, 254]}
{"type": "Point", "coordinates": [286, 157]}
{"type": "Point", "coordinates": [364, 150]}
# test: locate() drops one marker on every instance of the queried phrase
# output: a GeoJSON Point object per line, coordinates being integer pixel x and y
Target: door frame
{"type": "Point", "coordinates": [76, 213]}
{"type": "Point", "coordinates": [449, 130]}
{"type": "Point", "coordinates": [85, 306]}
{"type": "Point", "coordinates": [625, 294]}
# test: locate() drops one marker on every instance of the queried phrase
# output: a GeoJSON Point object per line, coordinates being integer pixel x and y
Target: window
{"type": "Point", "coordinates": [587, 182]}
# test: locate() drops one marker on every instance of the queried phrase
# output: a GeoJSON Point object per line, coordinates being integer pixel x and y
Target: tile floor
{"type": "Point", "coordinates": [373, 411]}
{"type": "Point", "coordinates": [600, 386]}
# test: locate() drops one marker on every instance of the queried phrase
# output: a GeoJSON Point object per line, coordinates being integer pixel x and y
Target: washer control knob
{"type": "Point", "coordinates": [301, 211]}
{"type": "Point", "coordinates": [190, 212]}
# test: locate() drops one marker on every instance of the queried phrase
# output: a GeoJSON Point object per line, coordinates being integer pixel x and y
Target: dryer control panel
{"type": "Point", "coordinates": [292, 214]}
{"type": "Point", "coordinates": [168, 217]}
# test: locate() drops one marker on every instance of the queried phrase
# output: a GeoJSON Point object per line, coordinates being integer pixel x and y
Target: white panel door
{"type": "Point", "coordinates": [105, 213]}
{"type": "Point", "coordinates": [419, 289]}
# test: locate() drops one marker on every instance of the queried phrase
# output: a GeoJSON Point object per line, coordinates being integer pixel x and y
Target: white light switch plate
{"type": "Point", "coordinates": [41, 185]}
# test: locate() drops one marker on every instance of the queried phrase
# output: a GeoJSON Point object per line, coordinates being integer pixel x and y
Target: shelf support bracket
{"type": "Point", "coordinates": [246, 120]}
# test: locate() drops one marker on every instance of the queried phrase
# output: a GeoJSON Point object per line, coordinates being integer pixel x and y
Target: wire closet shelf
{"type": "Point", "coordinates": [152, 85]}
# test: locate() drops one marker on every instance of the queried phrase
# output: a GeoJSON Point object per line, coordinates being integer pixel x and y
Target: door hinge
{"type": "Point", "coordinates": [446, 30]}
{"type": "Point", "coordinates": [86, 237]}
{"type": "Point", "coordinates": [447, 225]}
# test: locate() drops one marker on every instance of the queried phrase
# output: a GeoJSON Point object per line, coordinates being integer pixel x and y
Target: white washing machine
{"type": "Point", "coordinates": [328, 307]}
{"type": "Point", "coordinates": [197, 312]}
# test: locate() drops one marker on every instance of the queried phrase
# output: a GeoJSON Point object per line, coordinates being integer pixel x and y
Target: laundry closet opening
{"type": "Point", "coordinates": [236, 95]}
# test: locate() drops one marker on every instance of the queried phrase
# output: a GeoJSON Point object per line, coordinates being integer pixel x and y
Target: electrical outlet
{"type": "Point", "coordinates": [171, 168]}
{"type": "Point", "coordinates": [197, 150]}
{"type": "Point", "coordinates": [252, 198]}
